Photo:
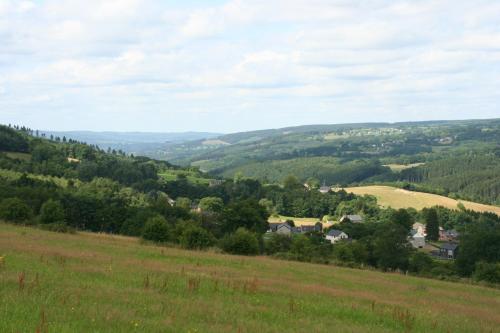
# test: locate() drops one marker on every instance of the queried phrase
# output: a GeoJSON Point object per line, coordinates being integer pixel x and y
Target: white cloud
{"type": "Point", "coordinates": [256, 58]}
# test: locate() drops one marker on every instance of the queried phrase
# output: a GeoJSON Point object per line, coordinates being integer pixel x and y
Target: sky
{"type": "Point", "coordinates": [228, 66]}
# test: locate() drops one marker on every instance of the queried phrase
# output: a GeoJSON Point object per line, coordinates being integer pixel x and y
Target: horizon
{"type": "Point", "coordinates": [258, 129]}
{"type": "Point", "coordinates": [239, 65]}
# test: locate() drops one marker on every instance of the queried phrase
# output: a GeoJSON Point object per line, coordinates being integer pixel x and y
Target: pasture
{"type": "Point", "coordinates": [388, 196]}
{"type": "Point", "coordinates": [52, 282]}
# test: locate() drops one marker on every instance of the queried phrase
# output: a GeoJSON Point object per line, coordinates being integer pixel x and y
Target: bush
{"type": "Point", "coordinates": [195, 237]}
{"type": "Point", "coordinates": [277, 243]}
{"type": "Point", "coordinates": [241, 241]}
{"type": "Point", "coordinates": [52, 212]}
{"type": "Point", "coordinates": [156, 229]}
{"type": "Point", "coordinates": [485, 271]}
{"type": "Point", "coordinates": [420, 263]}
{"type": "Point", "coordinates": [15, 210]}
{"type": "Point", "coordinates": [58, 227]}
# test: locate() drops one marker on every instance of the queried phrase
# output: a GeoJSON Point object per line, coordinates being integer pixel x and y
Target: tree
{"type": "Point", "coordinates": [420, 263]}
{"type": "Point", "coordinates": [432, 224]}
{"type": "Point", "coordinates": [15, 210]}
{"type": "Point", "coordinates": [184, 203]}
{"type": "Point", "coordinates": [211, 204]}
{"type": "Point", "coordinates": [403, 218]}
{"type": "Point", "coordinates": [247, 214]}
{"type": "Point", "coordinates": [156, 229]}
{"type": "Point", "coordinates": [292, 183]}
{"type": "Point", "coordinates": [52, 212]}
{"type": "Point", "coordinates": [197, 238]}
{"type": "Point", "coordinates": [241, 241]}
{"type": "Point", "coordinates": [277, 243]}
{"type": "Point", "coordinates": [391, 247]}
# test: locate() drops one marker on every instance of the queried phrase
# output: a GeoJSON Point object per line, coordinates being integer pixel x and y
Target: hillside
{"type": "Point", "coordinates": [388, 196]}
{"type": "Point", "coordinates": [91, 282]}
{"type": "Point", "coordinates": [453, 158]}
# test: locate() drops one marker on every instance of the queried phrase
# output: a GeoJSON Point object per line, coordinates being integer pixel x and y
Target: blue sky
{"type": "Point", "coordinates": [237, 65]}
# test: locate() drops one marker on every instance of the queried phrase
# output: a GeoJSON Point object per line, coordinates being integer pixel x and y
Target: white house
{"type": "Point", "coordinates": [417, 239]}
{"type": "Point", "coordinates": [335, 235]}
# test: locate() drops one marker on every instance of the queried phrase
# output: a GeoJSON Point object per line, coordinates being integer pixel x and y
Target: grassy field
{"type": "Point", "coordinates": [399, 198]}
{"type": "Point", "coordinates": [401, 167]}
{"type": "Point", "coordinates": [297, 220]}
{"type": "Point", "coordinates": [59, 181]}
{"type": "Point", "coordinates": [192, 177]}
{"type": "Point", "coordinates": [18, 156]}
{"type": "Point", "coordinates": [86, 282]}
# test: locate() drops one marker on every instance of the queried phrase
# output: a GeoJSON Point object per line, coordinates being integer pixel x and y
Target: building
{"type": "Point", "coordinates": [335, 236]}
{"type": "Point", "coordinates": [324, 189]}
{"type": "Point", "coordinates": [448, 235]}
{"type": "Point", "coordinates": [352, 218]}
{"type": "Point", "coordinates": [448, 250]}
{"type": "Point", "coordinates": [417, 239]}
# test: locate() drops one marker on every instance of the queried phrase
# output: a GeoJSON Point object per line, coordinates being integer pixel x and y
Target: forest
{"type": "Point", "coordinates": [460, 159]}
{"type": "Point", "coordinates": [63, 185]}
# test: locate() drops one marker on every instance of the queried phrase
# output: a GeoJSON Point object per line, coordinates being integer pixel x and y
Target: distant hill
{"type": "Point", "coordinates": [149, 144]}
{"type": "Point", "coordinates": [460, 157]}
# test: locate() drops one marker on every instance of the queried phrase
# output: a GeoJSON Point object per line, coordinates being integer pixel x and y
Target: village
{"type": "Point", "coordinates": [445, 248]}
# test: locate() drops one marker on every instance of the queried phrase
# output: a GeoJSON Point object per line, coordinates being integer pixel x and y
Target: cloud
{"type": "Point", "coordinates": [319, 60]}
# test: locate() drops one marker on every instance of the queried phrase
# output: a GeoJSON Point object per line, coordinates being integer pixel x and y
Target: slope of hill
{"type": "Point", "coordinates": [388, 196]}
{"type": "Point", "coordinates": [98, 283]}
{"type": "Point", "coordinates": [460, 158]}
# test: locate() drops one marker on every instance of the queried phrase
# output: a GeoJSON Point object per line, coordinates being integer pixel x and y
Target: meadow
{"type": "Point", "coordinates": [388, 196]}
{"type": "Point", "coordinates": [85, 282]}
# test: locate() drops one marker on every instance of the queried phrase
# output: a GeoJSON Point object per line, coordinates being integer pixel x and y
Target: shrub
{"type": "Point", "coordinates": [15, 210]}
{"type": "Point", "coordinates": [156, 229]}
{"type": "Point", "coordinates": [52, 212]}
{"type": "Point", "coordinates": [241, 241]}
{"type": "Point", "coordinates": [277, 243]}
{"type": "Point", "coordinates": [196, 238]}
{"type": "Point", "coordinates": [489, 272]}
{"type": "Point", "coordinates": [58, 227]}
{"type": "Point", "coordinates": [420, 263]}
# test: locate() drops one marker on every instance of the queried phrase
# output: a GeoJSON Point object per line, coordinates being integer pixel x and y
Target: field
{"type": "Point", "coordinates": [191, 176]}
{"type": "Point", "coordinates": [86, 282]}
{"type": "Point", "coordinates": [399, 198]}
{"type": "Point", "coordinates": [401, 167]}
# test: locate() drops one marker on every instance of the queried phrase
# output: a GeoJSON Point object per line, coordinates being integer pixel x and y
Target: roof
{"type": "Point", "coordinates": [449, 246]}
{"type": "Point", "coordinates": [334, 232]}
{"type": "Point", "coordinates": [353, 218]}
{"type": "Point", "coordinates": [324, 189]}
{"type": "Point", "coordinates": [286, 225]}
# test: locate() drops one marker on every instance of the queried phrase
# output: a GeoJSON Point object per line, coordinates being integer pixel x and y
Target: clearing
{"type": "Point", "coordinates": [388, 196]}
{"type": "Point", "coordinates": [401, 167]}
{"type": "Point", "coordinates": [52, 282]}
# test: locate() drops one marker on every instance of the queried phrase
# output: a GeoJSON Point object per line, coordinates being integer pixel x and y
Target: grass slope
{"type": "Point", "coordinates": [399, 198]}
{"type": "Point", "coordinates": [98, 283]}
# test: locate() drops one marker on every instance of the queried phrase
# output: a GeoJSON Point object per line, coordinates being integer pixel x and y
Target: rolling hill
{"type": "Point", "coordinates": [88, 282]}
{"type": "Point", "coordinates": [388, 196]}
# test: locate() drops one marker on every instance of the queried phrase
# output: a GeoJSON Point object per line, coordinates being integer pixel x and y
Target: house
{"type": "Point", "coordinates": [420, 228]}
{"type": "Point", "coordinates": [417, 238]}
{"type": "Point", "coordinates": [352, 218]}
{"type": "Point", "coordinates": [317, 227]}
{"type": "Point", "coordinates": [335, 236]}
{"type": "Point", "coordinates": [324, 189]}
{"type": "Point", "coordinates": [215, 182]}
{"type": "Point", "coordinates": [284, 229]}
{"type": "Point", "coordinates": [448, 250]}
{"type": "Point", "coordinates": [448, 235]}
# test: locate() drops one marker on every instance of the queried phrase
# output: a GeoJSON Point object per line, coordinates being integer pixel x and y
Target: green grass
{"type": "Point", "coordinates": [97, 283]}
{"type": "Point", "coordinates": [18, 156]}
{"type": "Point", "coordinates": [59, 181]}
{"type": "Point", "coordinates": [192, 177]}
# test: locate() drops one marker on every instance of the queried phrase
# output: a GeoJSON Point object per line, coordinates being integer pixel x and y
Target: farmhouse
{"type": "Point", "coordinates": [352, 218]}
{"type": "Point", "coordinates": [448, 250]}
{"type": "Point", "coordinates": [284, 229]}
{"type": "Point", "coordinates": [335, 236]}
{"type": "Point", "coordinates": [417, 238]}
{"type": "Point", "coordinates": [324, 189]}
